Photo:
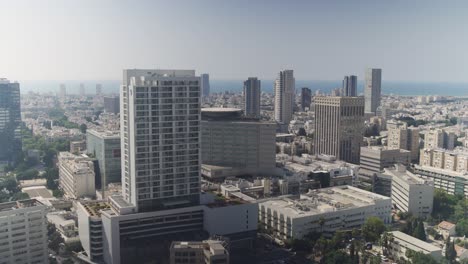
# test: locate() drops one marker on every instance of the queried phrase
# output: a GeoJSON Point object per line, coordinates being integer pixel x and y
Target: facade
{"type": "Point", "coordinates": [23, 235]}
{"type": "Point", "coordinates": [400, 136]}
{"type": "Point", "coordinates": [411, 193]}
{"type": "Point", "coordinates": [402, 242]}
{"type": "Point", "coordinates": [372, 90]}
{"type": "Point", "coordinates": [10, 120]}
{"type": "Point", "coordinates": [285, 86]}
{"type": "Point", "coordinates": [252, 92]}
{"type": "Point", "coordinates": [340, 208]}
{"type": "Point", "coordinates": [105, 147]}
{"type": "Point", "coordinates": [306, 98]}
{"type": "Point", "coordinates": [160, 128]}
{"type": "Point", "coordinates": [76, 175]}
{"type": "Point", "coordinates": [451, 160]}
{"type": "Point", "coordinates": [339, 125]}
{"type": "Point", "coordinates": [205, 252]}
{"type": "Point", "coordinates": [350, 86]}
{"type": "Point", "coordinates": [453, 182]}
{"type": "Point", "coordinates": [77, 146]}
{"type": "Point", "coordinates": [233, 143]}
{"type": "Point", "coordinates": [112, 104]}
{"type": "Point", "coordinates": [374, 159]}
{"type": "Point", "coordinates": [205, 84]}
{"type": "Point", "coordinates": [439, 138]}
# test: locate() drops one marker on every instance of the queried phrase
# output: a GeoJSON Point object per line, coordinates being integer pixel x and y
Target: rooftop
{"type": "Point", "coordinates": [93, 208]}
{"type": "Point", "coordinates": [9, 206]}
{"type": "Point", "coordinates": [325, 200]}
{"type": "Point", "coordinates": [414, 243]}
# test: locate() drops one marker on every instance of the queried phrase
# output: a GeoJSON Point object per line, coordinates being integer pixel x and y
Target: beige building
{"type": "Point", "coordinates": [450, 160]}
{"type": "Point", "coordinates": [410, 193]}
{"type": "Point", "coordinates": [439, 138]}
{"type": "Point", "coordinates": [402, 242]}
{"type": "Point", "coordinates": [285, 90]}
{"type": "Point", "coordinates": [205, 252]}
{"type": "Point", "coordinates": [76, 175]}
{"type": "Point", "coordinates": [375, 158]}
{"type": "Point", "coordinates": [400, 136]}
{"type": "Point", "coordinates": [233, 145]}
{"type": "Point", "coordinates": [339, 125]}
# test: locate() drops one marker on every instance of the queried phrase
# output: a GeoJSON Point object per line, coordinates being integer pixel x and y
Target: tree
{"type": "Point", "coordinates": [419, 232]}
{"type": "Point", "coordinates": [336, 256]}
{"type": "Point", "coordinates": [83, 128]}
{"type": "Point", "coordinates": [450, 253]}
{"type": "Point", "coordinates": [373, 228]}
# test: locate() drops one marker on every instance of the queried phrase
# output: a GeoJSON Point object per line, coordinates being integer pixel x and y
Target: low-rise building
{"type": "Point", "coordinates": [324, 210]}
{"type": "Point", "coordinates": [452, 182]}
{"type": "Point", "coordinates": [76, 175]}
{"type": "Point", "coordinates": [447, 229]}
{"type": "Point", "coordinates": [401, 242]}
{"type": "Point", "coordinates": [411, 193]}
{"type": "Point", "coordinates": [204, 252]}
{"type": "Point", "coordinates": [23, 232]}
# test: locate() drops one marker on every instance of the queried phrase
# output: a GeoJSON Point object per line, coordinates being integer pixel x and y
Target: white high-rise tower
{"type": "Point", "coordinates": [284, 96]}
{"type": "Point", "coordinates": [160, 128]}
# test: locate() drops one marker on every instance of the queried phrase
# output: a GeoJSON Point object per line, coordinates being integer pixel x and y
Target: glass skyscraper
{"type": "Point", "coordinates": [10, 120]}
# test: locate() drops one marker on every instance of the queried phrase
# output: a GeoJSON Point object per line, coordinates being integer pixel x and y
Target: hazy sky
{"type": "Point", "coordinates": [414, 40]}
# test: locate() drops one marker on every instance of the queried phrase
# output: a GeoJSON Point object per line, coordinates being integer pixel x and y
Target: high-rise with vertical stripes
{"type": "Point", "coordinates": [350, 85]}
{"type": "Point", "coordinates": [252, 92]}
{"type": "Point", "coordinates": [160, 128]}
{"type": "Point", "coordinates": [372, 89]}
{"type": "Point", "coordinates": [284, 96]}
{"type": "Point", "coordinates": [339, 124]}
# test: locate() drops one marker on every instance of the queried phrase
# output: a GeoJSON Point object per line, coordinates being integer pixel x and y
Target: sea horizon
{"type": "Point", "coordinates": [404, 88]}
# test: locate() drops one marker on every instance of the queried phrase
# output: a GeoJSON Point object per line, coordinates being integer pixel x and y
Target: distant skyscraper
{"type": "Point", "coordinates": [350, 85]}
{"type": "Point", "coordinates": [82, 91]}
{"type": "Point", "coordinates": [63, 90]}
{"type": "Point", "coordinates": [98, 89]}
{"type": "Point", "coordinates": [372, 89]}
{"type": "Point", "coordinates": [306, 98]}
{"type": "Point", "coordinates": [112, 104]}
{"type": "Point", "coordinates": [252, 93]}
{"type": "Point", "coordinates": [160, 128]}
{"type": "Point", "coordinates": [205, 84]}
{"type": "Point", "coordinates": [339, 123]}
{"type": "Point", "coordinates": [284, 96]}
{"type": "Point", "coordinates": [10, 120]}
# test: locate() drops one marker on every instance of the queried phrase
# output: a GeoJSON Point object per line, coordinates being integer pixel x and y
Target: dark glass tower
{"type": "Point", "coordinates": [10, 120]}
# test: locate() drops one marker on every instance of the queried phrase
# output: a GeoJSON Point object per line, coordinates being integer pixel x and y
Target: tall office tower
{"type": "Point", "coordinates": [350, 85]}
{"type": "Point", "coordinates": [23, 236]}
{"type": "Point", "coordinates": [63, 90]}
{"type": "Point", "coordinates": [82, 91]}
{"type": "Point", "coordinates": [284, 96]}
{"type": "Point", "coordinates": [112, 104]}
{"type": "Point", "coordinates": [339, 125]}
{"type": "Point", "coordinates": [205, 84]}
{"type": "Point", "coordinates": [98, 89]}
{"type": "Point", "coordinates": [400, 136]}
{"type": "Point", "coordinates": [160, 128]}
{"type": "Point", "coordinates": [10, 120]}
{"type": "Point", "coordinates": [252, 93]}
{"type": "Point", "coordinates": [372, 89]}
{"type": "Point", "coordinates": [306, 98]}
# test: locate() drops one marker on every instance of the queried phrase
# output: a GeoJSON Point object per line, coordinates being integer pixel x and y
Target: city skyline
{"type": "Point", "coordinates": [393, 36]}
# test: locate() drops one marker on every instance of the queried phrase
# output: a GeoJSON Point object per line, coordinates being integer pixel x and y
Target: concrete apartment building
{"type": "Point", "coordinates": [451, 160]}
{"type": "Point", "coordinates": [372, 90]}
{"type": "Point", "coordinates": [106, 148]}
{"type": "Point", "coordinates": [400, 136]}
{"type": "Point", "coordinates": [411, 193]}
{"type": "Point", "coordinates": [233, 145]}
{"type": "Point", "coordinates": [339, 125]}
{"type": "Point", "coordinates": [341, 207]}
{"type": "Point", "coordinates": [76, 175]}
{"type": "Point", "coordinates": [161, 198]}
{"type": "Point", "coordinates": [439, 138]}
{"type": "Point", "coordinates": [23, 232]}
{"type": "Point", "coordinates": [252, 92]}
{"type": "Point", "coordinates": [375, 158]}
{"type": "Point", "coordinates": [285, 90]}
{"type": "Point", "coordinates": [204, 252]}
{"type": "Point", "coordinates": [402, 242]}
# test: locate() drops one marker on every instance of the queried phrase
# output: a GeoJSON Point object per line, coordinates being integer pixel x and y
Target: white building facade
{"type": "Point", "coordinates": [76, 175]}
